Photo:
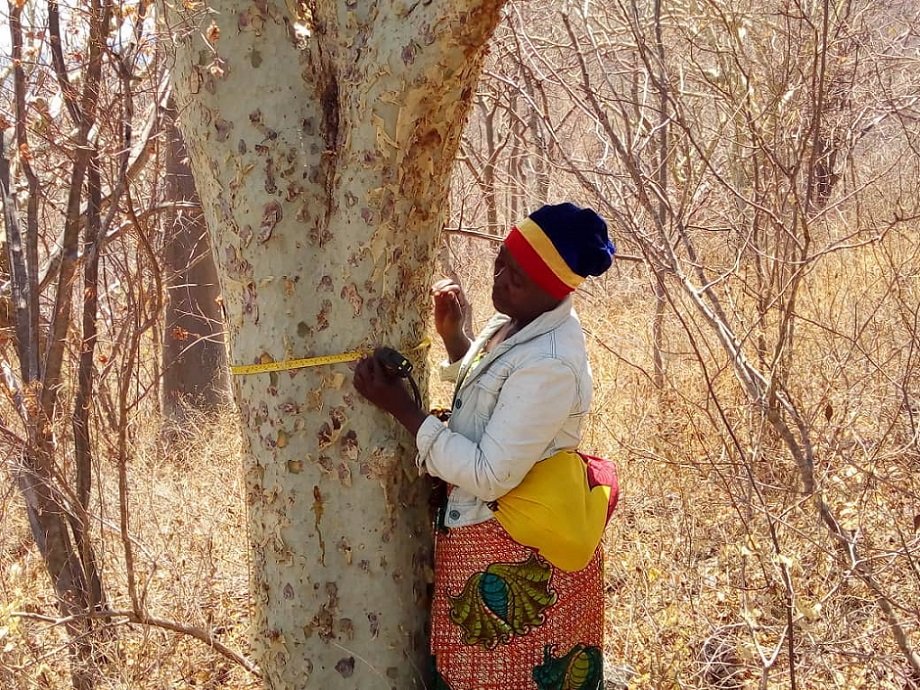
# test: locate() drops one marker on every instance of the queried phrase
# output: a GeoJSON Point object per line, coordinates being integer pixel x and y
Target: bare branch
{"type": "Point", "coordinates": [146, 619]}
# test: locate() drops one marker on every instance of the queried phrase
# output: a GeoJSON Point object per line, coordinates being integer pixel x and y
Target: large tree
{"type": "Point", "coordinates": [321, 135]}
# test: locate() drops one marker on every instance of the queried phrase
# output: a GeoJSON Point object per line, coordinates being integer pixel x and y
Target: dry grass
{"type": "Point", "coordinates": [694, 576]}
{"type": "Point", "coordinates": [188, 529]}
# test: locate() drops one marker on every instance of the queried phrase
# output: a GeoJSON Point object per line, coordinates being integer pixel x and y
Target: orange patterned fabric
{"type": "Point", "coordinates": [504, 618]}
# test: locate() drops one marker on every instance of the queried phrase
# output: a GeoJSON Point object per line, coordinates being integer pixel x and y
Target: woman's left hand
{"type": "Point", "coordinates": [381, 388]}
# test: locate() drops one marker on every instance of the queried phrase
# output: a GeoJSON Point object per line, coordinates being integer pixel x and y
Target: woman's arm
{"type": "Point", "coordinates": [533, 405]}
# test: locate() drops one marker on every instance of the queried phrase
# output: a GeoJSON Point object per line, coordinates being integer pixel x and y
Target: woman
{"type": "Point", "coordinates": [518, 596]}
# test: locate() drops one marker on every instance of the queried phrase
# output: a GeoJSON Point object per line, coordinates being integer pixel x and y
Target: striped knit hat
{"type": "Point", "coordinates": [558, 246]}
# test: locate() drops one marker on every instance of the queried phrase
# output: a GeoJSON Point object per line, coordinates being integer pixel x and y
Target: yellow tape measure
{"type": "Point", "coordinates": [286, 364]}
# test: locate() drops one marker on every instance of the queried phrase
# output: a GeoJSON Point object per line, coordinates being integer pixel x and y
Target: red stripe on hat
{"type": "Point", "coordinates": [534, 266]}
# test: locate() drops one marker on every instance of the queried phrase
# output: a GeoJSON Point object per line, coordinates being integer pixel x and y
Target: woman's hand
{"type": "Point", "coordinates": [387, 392]}
{"type": "Point", "coordinates": [450, 306]}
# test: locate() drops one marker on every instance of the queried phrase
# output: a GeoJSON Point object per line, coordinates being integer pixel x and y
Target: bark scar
{"type": "Point", "coordinates": [329, 99]}
{"type": "Point", "coordinates": [318, 512]}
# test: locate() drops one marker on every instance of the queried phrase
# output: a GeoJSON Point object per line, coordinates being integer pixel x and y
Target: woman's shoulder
{"type": "Point", "coordinates": [565, 342]}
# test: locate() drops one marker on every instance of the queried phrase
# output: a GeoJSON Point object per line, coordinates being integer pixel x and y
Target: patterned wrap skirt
{"type": "Point", "coordinates": [503, 618]}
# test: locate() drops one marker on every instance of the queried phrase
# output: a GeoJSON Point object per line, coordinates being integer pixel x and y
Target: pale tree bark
{"type": "Point", "coordinates": [321, 146]}
{"type": "Point", "coordinates": [194, 354]}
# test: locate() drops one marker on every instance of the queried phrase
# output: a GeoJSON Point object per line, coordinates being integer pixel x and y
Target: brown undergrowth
{"type": "Point", "coordinates": [188, 532]}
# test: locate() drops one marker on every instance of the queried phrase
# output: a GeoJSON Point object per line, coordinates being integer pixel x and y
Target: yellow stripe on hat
{"type": "Point", "coordinates": [543, 246]}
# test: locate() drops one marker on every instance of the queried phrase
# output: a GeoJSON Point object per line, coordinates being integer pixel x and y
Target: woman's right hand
{"type": "Point", "coordinates": [450, 307]}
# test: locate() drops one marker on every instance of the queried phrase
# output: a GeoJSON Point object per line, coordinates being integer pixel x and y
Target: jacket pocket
{"type": "Point", "coordinates": [482, 394]}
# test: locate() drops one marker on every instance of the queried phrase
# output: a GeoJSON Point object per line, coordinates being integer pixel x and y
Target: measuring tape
{"type": "Point", "coordinates": [284, 365]}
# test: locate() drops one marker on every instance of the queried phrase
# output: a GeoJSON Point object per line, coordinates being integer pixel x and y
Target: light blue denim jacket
{"type": "Point", "coordinates": [523, 402]}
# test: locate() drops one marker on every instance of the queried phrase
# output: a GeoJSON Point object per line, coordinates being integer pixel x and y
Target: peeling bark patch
{"type": "Point", "coordinates": [250, 303]}
{"type": "Point", "coordinates": [319, 235]}
{"type": "Point", "coordinates": [325, 462]}
{"type": "Point", "coordinates": [324, 436]}
{"type": "Point", "coordinates": [271, 216]}
{"type": "Point", "coordinates": [270, 185]}
{"type": "Point", "coordinates": [379, 464]}
{"type": "Point", "coordinates": [409, 53]}
{"type": "Point", "coordinates": [322, 318]}
{"type": "Point", "coordinates": [235, 264]}
{"type": "Point", "coordinates": [324, 621]}
{"type": "Point", "coordinates": [345, 548]}
{"type": "Point", "coordinates": [289, 407]}
{"type": "Point", "coordinates": [350, 445]}
{"type": "Point", "coordinates": [314, 399]}
{"type": "Point", "coordinates": [219, 68]}
{"type": "Point", "coordinates": [318, 513]}
{"type": "Point", "coordinates": [251, 19]}
{"type": "Point", "coordinates": [346, 667]}
{"type": "Point", "coordinates": [294, 191]}
{"type": "Point", "coordinates": [350, 294]}
{"type": "Point", "coordinates": [223, 128]}
{"type": "Point", "coordinates": [295, 466]}
{"type": "Point", "coordinates": [282, 440]}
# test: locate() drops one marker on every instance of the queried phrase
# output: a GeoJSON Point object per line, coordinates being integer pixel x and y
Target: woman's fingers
{"type": "Point", "coordinates": [366, 375]}
{"type": "Point", "coordinates": [447, 287]}
{"type": "Point", "coordinates": [443, 284]}
{"type": "Point", "coordinates": [449, 295]}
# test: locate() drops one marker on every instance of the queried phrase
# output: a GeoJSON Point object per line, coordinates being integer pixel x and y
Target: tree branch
{"type": "Point", "coordinates": [142, 618]}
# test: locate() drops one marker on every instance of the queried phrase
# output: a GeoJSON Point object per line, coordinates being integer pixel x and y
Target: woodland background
{"type": "Point", "coordinates": [755, 347]}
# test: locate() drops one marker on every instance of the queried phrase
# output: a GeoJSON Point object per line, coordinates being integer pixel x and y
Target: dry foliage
{"type": "Point", "coordinates": [188, 527]}
{"type": "Point", "coordinates": [756, 372]}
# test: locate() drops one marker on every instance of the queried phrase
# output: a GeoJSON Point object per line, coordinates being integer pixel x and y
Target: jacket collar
{"type": "Point", "coordinates": [546, 322]}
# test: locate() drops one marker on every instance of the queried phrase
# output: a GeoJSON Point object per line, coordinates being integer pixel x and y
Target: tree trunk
{"type": "Point", "coordinates": [194, 354]}
{"type": "Point", "coordinates": [322, 146]}
{"type": "Point", "coordinates": [487, 115]}
{"type": "Point", "coordinates": [48, 519]}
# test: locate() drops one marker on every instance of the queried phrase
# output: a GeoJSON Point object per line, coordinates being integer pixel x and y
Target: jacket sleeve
{"type": "Point", "coordinates": [533, 405]}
